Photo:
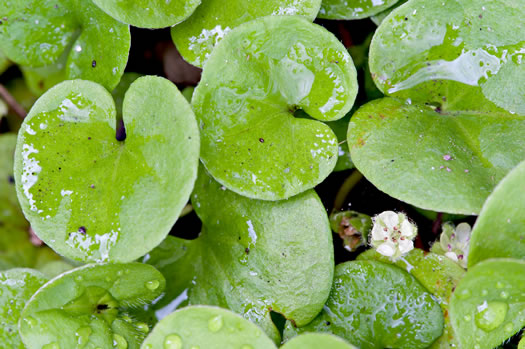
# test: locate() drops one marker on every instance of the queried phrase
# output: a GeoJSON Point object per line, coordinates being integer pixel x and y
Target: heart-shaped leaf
{"type": "Point", "coordinates": [499, 231]}
{"type": "Point", "coordinates": [196, 37]}
{"type": "Point", "coordinates": [92, 197]}
{"type": "Point", "coordinates": [438, 274]}
{"type": "Point", "coordinates": [252, 84]}
{"type": "Point", "coordinates": [16, 287]}
{"type": "Point", "coordinates": [353, 9]}
{"type": "Point", "coordinates": [488, 305]}
{"type": "Point", "coordinates": [206, 327]}
{"type": "Point", "coordinates": [461, 55]}
{"type": "Point", "coordinates": [39, 32]}
{"type": "Point", "coordinates": [148, 13]}
{"type": "Point", "coordinates": [375, 305]}
{"type": "Point", "coordinates": [10, 212]}
{"type": "Point", "coordinates": [254, 257]}
{"type": "Point", "coordinates": [91, 306]}
{"type": "Point", "coordinates": [316, 341]}
{"type": "Point", "coordinates": [443, 161]}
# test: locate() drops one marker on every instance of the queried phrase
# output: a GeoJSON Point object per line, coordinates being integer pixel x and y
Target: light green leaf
{"type": "Point", "coordinates": [378, 18]}
{"type": "Point", "coordinates": [250, 88]}
{"type": "Point", "coordinates": [16, 287]}
{"type": "Point", "coordinates": [41, 79]}
{"type": "Point", "coordinates": [206, 327]}
{"type": "Point", "coordinates": [499, 231]}
{"type": "Point", "coordinates": [458, 54]}
{"type": "Point", "coordinates": [149, 13]}
{"type": "Point", "coordinates": [38, 33]}
{"type": "Point", "coordinates": [438, 274]}
{"type": "Point", "coordinates": [4, 63]}
{"type": "Point", "coordinates": [10, 212]}
{"type": "Point", "coordinates": [377, 305]}
{"type": "Point", "coordinates": [196, 37]}
{"type": "Point", "coordinates": [92, 306]}
{"type": "Point", "coordinates": [316, 341]}
{"type": "Point", "coordinates": [353, 9]}
{"type": "Point", "coordinates": [488, 305]}
{"type": "Point", "coordinates": [91, 197]}
{"type": "Point", "coordinates": [445, 162]}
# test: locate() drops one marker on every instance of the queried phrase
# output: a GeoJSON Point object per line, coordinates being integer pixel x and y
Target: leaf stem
{"type": "Point", "coordinates": [11, 102]}
{"type": "Point", "coordinates": [186, 210]}
{"type": "Point", "coordinates": [349, 183]}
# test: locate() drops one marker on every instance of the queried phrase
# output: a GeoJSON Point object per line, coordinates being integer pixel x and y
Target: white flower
{"type": "Point", "coordinates": [392, 234]}
{"type": "Point", "coordinates": [455, 243]}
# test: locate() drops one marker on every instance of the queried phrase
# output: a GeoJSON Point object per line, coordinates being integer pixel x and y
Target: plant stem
{"type": "Point", "coordinates": [345, 189]}
{"type": "Point", "coordinates": [11, 102]}
{"type": "Point", "coordinates": [186, 210]}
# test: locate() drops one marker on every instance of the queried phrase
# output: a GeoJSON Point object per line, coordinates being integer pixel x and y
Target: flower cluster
{"type": "Point", "coordinates": [392, 234]}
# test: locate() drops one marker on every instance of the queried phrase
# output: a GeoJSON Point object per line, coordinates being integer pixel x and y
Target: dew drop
{"type": "Point", "coordinates": [119, 342]}
{"type": "Point", "coordinates": [508, 328]}
{"type": "Point", "coordinates": [504, 294]}
{"type": "Point", "coordinates": [31, 322]}
{"type": "Point", "coordinates": [172, 341]}
{"type": "Point", "coordinates": [152, 285]}
{"type": "Point", "coordinates": [492, 316]}
{"type": "Point", "coordinates": [79, 278]}
{"type": "Point", "coordinates": [484, 292]}
{"type": "Point", "coordinates": [500, 284]}
{"type": "Point", "coordinates": [477, 346]}
{"type": "Point", "coordinates": [82, 335]}
{"type": "Point", "coordinates": [53, 345]}
{"type": "Point", "coordinates": [142, 327]}
{"type": "Point", "coordinates": [467, 318]}
{"type": "Point", "coordinates": [215, 323]}
{"type": "Point", "coordinates": [464, 294]}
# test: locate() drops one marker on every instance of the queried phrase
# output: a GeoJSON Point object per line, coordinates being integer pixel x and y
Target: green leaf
{"type": "Point", "coordinates": [353, 228]}
{"type": "Point", "coordinates": [94, 198]}
{"type": "Point", "coordinates": [488, 305]}
{"type": "Point", "coordinates": [353, 9]}
{"type": "Point", "coordinates": [149, 13]}
{"type": "Point", "coordinates": [206, 327]}
{"type": "Point", "coordinates": [91, 306]}
{"type": "Point", "coordinates": [41, 79]}
{"type": "Point", "coordinates": [377, 305]}
{"type": "Point", "coordinates": [499, 231]}
{"type": "Point", "coordinates": [340, 127]}
{"type": "Point", "coordinates": [4, 63]}
{"type": "Point", "coordinates": [252, 84]}
{"type": "Point", "coordinates": [10, 212]}
{"type": "Point", "coordinates": [16, 287]}
{"type": "Point", "coordinates": [316, 341]}
{"type": "Point", "coordinates": [196, 37]}
{"type": "Point", "coordinates": [459, 54]}
{"type": "Point", "coordinates": [378, 18]}
{"type": "Point", "coordinates": [445, 162]}
{"type": "Point", "coordinates": [438, 274]}
{"type": "Point", "coordinates": [39, 32]}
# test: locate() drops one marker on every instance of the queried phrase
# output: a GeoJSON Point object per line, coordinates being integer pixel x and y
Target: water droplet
{"type": "Point", "coordinates": [172, 341]}
{"type": "Point", "coordinates": [477, 346]}
{"type": "Point", "coordinates": [464, 294]}
{"type": "Point", "coordinates": [508, 327]}
{"type": "Point", "coordinates": [119, 342]}
{"type": "Point", "coordinates": [492, 316]}
{"type": "Point", "coordinates": [484, 292]}
{"type": "Point", "coordinates": [215, 323]}
{"type": "Point", "coordinates": [504, 294]}
{"type": "Point", "coordinates": [148, 346]}
{"type": "Point", "coordinates": [467, 318]}
{"type": "Point", "coordinates": [31, 322]}
{"type": "Point", "coordinates": [142, 327]}
{"type": "Point", "coordinates": [79, 278]}
{"type": "Point", "coordinates": [500, 284]}
{"type": "Point", "coordinates": [53, 345]}
{"type": "Point", "coordinates": [152, 285]}
{"type": "Point", "coordinates": [82, 335]}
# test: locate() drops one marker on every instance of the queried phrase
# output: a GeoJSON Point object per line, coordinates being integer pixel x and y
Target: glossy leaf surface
{"type": "Point", "coordinates": [447, 162]}
{"type": "Point", "coordinates": [16, 287]}
{"type": "Point", "coordinates": [315, 341]}
{"type": "Point", "coordinates": [353, 9]}
{"type": "Point", "coordinates": [252, 84]}
{"type": "Point", "coordinates": [499, 231]}
{"type": "Point", "coordinates": [196, 37]}
{"type": "Point", "coordinates": [459, 54]}
{"type": "Point", "coordinates": [377, 305]}
{"type": "Point", "coordinates": [92, 197]}
{"type": "Point", "coordinates": [206, 327]}
{"type": "Point", "coordinates": [488, 305]}
{"type": "Point", "coordinates": [91, 306]}
{"type": "Point", "coordinates": [39, 32]}
{"type": "Point", "coordinates": [148, 13]}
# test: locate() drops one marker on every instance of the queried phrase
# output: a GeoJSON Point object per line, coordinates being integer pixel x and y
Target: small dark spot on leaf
{"type": "Point", "coordinates": [246, 250]}
{"type": "Point", "coordinates": [328, 323]}
{"type": "Point", "coordinates": [82, 230]}
{"type": "Point", "coordinates": [261, 140]}
{"type": "Point", "coordinates": [480, 16]}
{"type": "Point", "coordinates": [406, 18]}
{"type": "Point", "coordinates": [89, 138]}
{"type": "Point", "coordinates": [94, 64]}
{"type": "Point", "coordinates": [92, 186]}
{"type": "Point", "coordinates": [11, 179]}
{"type": "Point", "coordinates": [41, 83]}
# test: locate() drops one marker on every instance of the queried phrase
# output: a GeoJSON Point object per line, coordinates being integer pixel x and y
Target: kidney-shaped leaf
{"type": "Point", "coordinates": [40, 32]}
{"type": "Point", "coordinates": [92, 197]}
{"type": "Point", "coordinates": [196, 37]}
{"type": "Point", "coordinates": [374, 305]}
{"type": "Point", "coordinates": [488, 305]}
{"type": "Point", "coordinates": [148, 13]}
{"type": "Point", "coordinates": [91, 306]}
{"type": "Point", "coordinates": [251, 85]}
{"type": "Point", "coordinates": [442, 161]}
{"type": "Point", "coordinates": [316, 341]}
{"type": "Point", "coordinates": [500, 228]}
{"type": "Point", "coordinates": [353, 9]}
{"type": "Point", "coordinates": [16, 287]}
{"type": "Point", "coordinates": [206, 327]}
{"type": "Point", "coordinates": [460, 54]}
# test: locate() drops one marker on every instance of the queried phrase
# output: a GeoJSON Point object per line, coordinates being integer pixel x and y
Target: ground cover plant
{"type": "Point", "coordinates": [262, 174]}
